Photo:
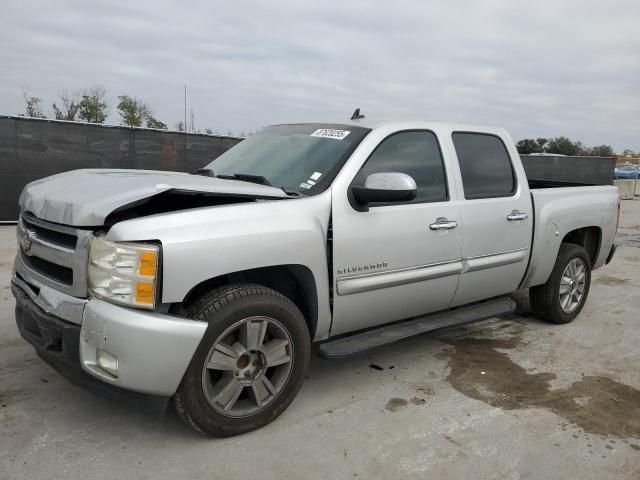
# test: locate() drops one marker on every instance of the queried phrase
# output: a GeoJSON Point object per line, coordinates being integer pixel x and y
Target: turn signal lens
{"type": "Point", "coordinates": [144, 293]}
{"type": "Point", "coordinates": [148, 261]}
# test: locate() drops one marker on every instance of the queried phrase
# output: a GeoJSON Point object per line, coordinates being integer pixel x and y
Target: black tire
{"type": "Point", "coordinates": [222, 308]}
{"type": "Point", "coordinates": [545, 299]}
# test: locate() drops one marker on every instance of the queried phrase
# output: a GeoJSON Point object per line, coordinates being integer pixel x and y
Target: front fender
{"type": "Point", "coordinates": [208, 242]}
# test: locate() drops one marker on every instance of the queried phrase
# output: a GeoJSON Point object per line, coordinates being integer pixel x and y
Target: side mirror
{"type": "Point", "coordinates": [385, 187]}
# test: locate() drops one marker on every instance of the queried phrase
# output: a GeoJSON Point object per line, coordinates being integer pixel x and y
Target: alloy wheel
{"type": "Point", "coordinates": [247, 366]}
{"type": "Point", "coordinates": [572, 285]}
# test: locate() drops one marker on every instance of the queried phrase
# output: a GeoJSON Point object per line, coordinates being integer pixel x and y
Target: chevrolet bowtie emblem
{"type": "Point", "coordinates": [25, 242]}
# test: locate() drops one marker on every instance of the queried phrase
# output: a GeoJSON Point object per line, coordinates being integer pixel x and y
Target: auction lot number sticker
{"type": "Point", "coordinates": [331, 133]}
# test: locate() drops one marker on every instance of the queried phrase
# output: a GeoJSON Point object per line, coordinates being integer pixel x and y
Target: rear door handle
{"type": "Point", "coordinates": [517, 215]}
{"type": "Point", "coordinates": [442, 223]}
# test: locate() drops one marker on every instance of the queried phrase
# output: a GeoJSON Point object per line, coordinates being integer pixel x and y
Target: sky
{"type": "Point", "coordinates": [539, 69]}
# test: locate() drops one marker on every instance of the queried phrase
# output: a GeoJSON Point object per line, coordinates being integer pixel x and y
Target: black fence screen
{"type": "Point", "coordinates": [569, 170]}
{"type": "Point", "coordinates": [31, 149]}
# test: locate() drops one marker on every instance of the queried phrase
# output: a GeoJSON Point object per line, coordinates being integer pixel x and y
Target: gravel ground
{"type": "Point", "coordinates": [509, 398]}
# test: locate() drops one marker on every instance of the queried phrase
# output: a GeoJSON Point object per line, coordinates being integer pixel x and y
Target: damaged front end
{"type": "Point", "coordinates": [92, 198]}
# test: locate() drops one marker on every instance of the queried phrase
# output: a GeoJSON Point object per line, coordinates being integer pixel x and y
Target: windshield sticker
{"type": "Point", "coordinates": [315, 176]}
{"type": "Point", "coordinates": [331, 133]}
{"type": "Point", "coordinates": [311, 182]}
{"type": "Point", "coordinates": [305, 186]}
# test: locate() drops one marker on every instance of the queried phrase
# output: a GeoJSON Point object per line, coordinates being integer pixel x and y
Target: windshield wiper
{"type": "Point", "coordinates": [205, 172]}
{"type": "Point", "coordinates": [260, 180]}
{"type": "Point", "coordinates": [245, 177]}
{"type": "Point", "coordinates": [291, 193]}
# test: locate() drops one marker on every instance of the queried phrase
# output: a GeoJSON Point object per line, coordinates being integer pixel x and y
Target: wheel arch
{"type": "Point", "coordinates": [547, 299]}
{"type": "Point", "coordinates": [296, 282]}
{"type": "Point", "coordinates": [546, 248]}
{"type": "Point", "coordinates": [590, 238]}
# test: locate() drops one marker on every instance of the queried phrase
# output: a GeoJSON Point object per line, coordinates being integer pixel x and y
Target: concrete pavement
{"type": "Point", "coordinates": [507, 398]}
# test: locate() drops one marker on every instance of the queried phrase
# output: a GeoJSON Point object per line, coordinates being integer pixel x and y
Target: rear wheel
{"type": "Point", "coordinates": [250, 363]}
{"type": "Point", "coordinates": [561, 299]}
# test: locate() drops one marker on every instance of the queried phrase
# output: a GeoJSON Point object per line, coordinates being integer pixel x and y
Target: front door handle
{"type": "Point", "coordinates": [516, 215]}
{"type": "Point", "coordinates": [442, 223]}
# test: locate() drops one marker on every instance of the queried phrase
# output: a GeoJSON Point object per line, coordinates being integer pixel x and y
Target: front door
{"type": "Point", "coordinates": [396, 261]}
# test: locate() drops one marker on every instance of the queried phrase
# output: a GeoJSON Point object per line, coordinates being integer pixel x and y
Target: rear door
{"type": "Point", "coordinates": [497, 216]}
{"type": "Point", "coordinates": [390, 263]}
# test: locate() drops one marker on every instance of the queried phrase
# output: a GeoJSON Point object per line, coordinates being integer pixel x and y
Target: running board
{"type": "Point", "coordinates": [361, 342]}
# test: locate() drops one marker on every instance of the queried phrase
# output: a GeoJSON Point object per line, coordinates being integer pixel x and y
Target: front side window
{"type": "Point", "coordinates": [302, 158]}
{"type": "Point", "coordinates": [415, 153]}
{"type": "Point", "coordinates": [485, 165]}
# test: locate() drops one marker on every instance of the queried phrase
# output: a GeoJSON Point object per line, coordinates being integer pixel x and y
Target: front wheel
{"type": "Point", "coordinates": [250, 363]}
{"type": "Point", "coordinates": [561, 299]}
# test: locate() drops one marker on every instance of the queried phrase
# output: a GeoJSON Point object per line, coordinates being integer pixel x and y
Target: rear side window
{"type": "Point", "coordinates": [415, 153]}
{"type": "Point", "coordinates": [485, 165]}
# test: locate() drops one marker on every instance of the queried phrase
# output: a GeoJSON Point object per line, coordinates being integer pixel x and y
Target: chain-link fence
{"type": "Point", "coordinates": [33, 148]}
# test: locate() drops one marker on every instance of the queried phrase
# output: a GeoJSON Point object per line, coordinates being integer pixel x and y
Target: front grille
{"type": "Point", "coordinates": [50, 269]}
{"type": "Point", "coordinates": [62, 239]}
{"type": "Point", "coordinates": [54, 255]}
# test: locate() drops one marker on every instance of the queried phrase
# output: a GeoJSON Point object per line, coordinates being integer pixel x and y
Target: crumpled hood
{"type": "Point", "coordinates": [86, 197]}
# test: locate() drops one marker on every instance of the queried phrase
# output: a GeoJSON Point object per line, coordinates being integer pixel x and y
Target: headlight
{"type": "Point", "coordinates": [124, 273]}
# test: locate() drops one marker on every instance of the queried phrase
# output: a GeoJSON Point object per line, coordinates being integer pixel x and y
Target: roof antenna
{"type": "Point", "coordinates": [356, 114]}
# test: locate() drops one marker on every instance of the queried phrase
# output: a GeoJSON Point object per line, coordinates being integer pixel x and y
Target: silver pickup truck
{"type": "Point", "coordinates": [209, 289]}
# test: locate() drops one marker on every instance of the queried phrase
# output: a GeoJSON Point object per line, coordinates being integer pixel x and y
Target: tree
{"type": "Point", "coordinates": [208, 131]}
{"type": "Point", "coordinates": [564, 146]}
{"type": "Point", "coordinates": [179, 126]}
{"type": "Point", "coordinates": [133, 111]}
{"type": "Point", "coordinates": [542, 143]}
{"type": "Point", "coordinates": [528, 146]}
{"type": "Point", "coordinates": [69, 107]}
{"type": "Point", "coordinates": [33, 108]}
{"type": "Point", "coordinates": [582, 150]}
{"type": "Point", "coordinates": [93, 106]}
{"type": "Point", "coordinates": [152, 122]}
{"type": "Point", "coordinates": [602, 151]}
{"type": "Point", "coordinates": [628, 153]}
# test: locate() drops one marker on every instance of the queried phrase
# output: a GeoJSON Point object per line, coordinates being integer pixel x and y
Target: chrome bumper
{"type": "Point", "coordinates": [61, 305]}
{"type": "Point", "coordinates": [153, 350]}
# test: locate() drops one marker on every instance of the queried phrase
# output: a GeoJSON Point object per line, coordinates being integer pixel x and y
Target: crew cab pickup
{"type": "Point", "coordinates": [209, 289]}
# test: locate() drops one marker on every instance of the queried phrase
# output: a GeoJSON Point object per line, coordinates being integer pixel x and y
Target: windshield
{"type": "Point", "coordinates": [300, 158]}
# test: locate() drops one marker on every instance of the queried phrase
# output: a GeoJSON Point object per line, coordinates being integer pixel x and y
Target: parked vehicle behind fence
{"type": "Point", "coordinates": [627, 171]}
